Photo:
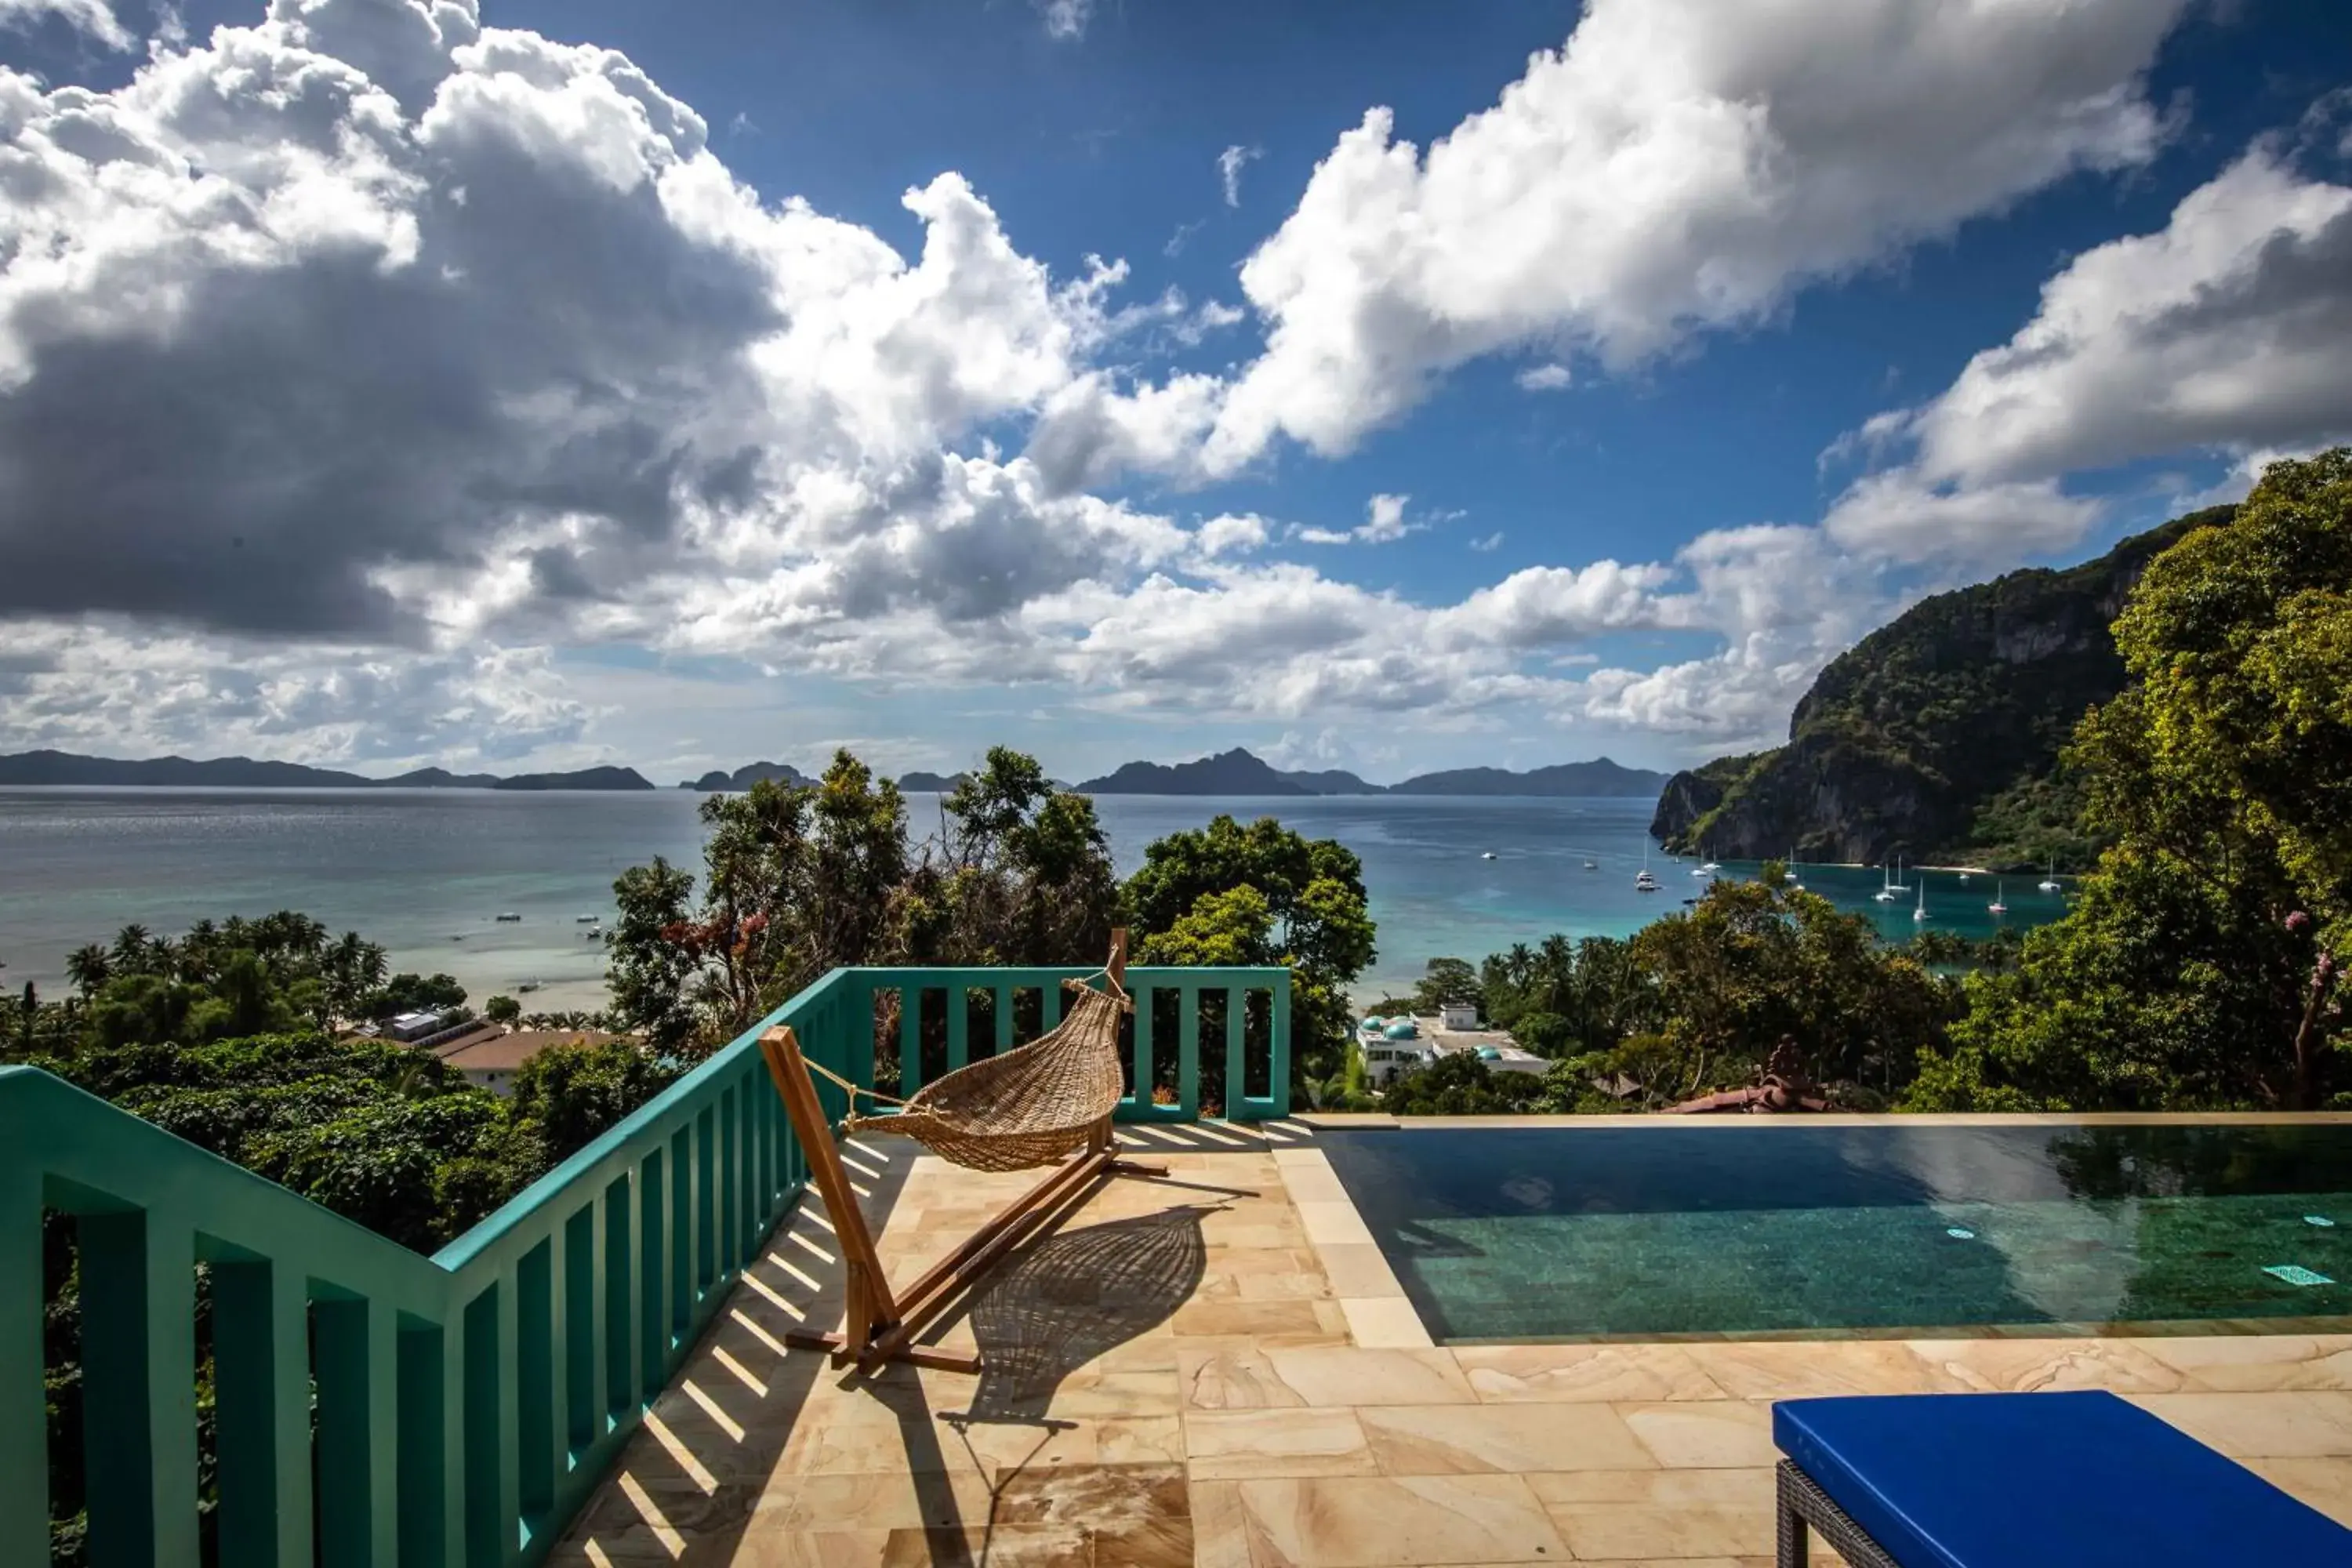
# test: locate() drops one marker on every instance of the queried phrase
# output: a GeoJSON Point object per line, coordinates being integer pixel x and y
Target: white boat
{"type": "Point", "coordinates": [2050, 883]}
{"type": "Point", "coordinates": [1921, 912]}
{"type": "Point", "coordinates": [1964, 879]}
{"type": "Point", "coordinates": [1899, 885]}
{"type": "Point", "coordinates": [2000, 893]}
{"type": "Point", "coordinates": [1886, 894]}
{"type": "Point", "coordinates": [1794, 885]}
{"type": "Point", "coordinates": [1489, 855]}
{"type": "Point", "coordinates": [1593, 865]}
{"type": "Point", "coordinates": [1644, 883]}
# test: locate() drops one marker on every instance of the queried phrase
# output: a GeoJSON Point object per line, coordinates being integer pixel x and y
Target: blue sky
{"type": "Point", "coordinates": [458, 422]}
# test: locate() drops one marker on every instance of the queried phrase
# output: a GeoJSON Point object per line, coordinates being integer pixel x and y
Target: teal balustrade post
{"type": "Point", "coordinates": [507, 1459]}
{"type": "Point", "coordinates": [1278, 1083]}
{"type": "Point", "coordinates": [751, 1203]}
{"type": "Point", "coordinates": [420, 1410]}
{"type": "Point", "coordinates": [584, 1338]}
{"type": "Point", "coordinates": [489, 1456]}
{"type": "Point", "coordinates": [1143, 1080]}
{"type": "Point", "coordinates": [652, 1276]}
{"type": "Point", "coordinates": [1049, 1006]}
{"type": "Point", "coordinates": [537, 1430]}
{"type": "Point", "coordinates": [138, 1390]}
{"type": "Point", "coordinates": [706, 1210]}
{"type": "Point", "coordinates": [731, 1183]}
{"type": "Point", "coordinates": [1236, 1065]}
{"type": "Point", "coordinates": [1187, 1052]}
{"type": "Point", "coordinates": [358, 1503]}
{"type": "Point", "coordinates": [1002, 995]}
{"type": "Point", "coordinates": [620, 1276]}
{"type": "Point", "coordinates": [455, 1347]}
{"type": "Point", "coordinates": [24, 1404]}
{"type": "Point", "coordinates": [261, 1380]}
{"type": "Point", "coordinates": [679, 1168]}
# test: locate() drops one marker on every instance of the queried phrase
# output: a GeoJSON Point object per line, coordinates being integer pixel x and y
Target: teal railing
{"type": "Point", "coordinates": [456, 1411]}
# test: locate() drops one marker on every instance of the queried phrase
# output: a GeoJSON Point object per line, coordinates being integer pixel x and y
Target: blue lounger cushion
{"type": "Point", "coordinates": [2012, 1481]}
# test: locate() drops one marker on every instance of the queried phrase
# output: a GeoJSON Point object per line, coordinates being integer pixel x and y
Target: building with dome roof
{"type": "Point", "coordinates": [1391, 1045]}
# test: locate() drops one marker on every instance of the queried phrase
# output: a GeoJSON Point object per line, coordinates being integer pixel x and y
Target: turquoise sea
{"type": "Point", "coordinates": [426, 872]}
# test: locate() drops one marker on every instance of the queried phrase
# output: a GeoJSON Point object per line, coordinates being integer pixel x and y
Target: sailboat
{"type": "Point", "coordinates": [1886, 894]}
{"type": "Point", "coordinates": [1921, 912]}
{"type": "Point", "coordinates": [1899, 885]}
{"type": "Point", "coordinates": [1999, 905]}
{"type": "Point", "coordinates": [1794, 885]}
{"type": "Point", "coordinates": [1642, 882]}
{"type": "Point", "coordinates": [2050, 883]}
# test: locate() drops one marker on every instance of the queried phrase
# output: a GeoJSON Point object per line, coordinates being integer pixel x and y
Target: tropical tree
{"type": "Point", "coordinates": [569, 1095]}
{"type": "Point", "coordinates": [89, 967]}
{"type": "Point", "coordinates": [2200, 964]}
{"type": "Point", "coordinates": [1312, 895]}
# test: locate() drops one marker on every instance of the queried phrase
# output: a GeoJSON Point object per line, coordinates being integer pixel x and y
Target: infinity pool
{"type": "Point", "coordinates": [1577, 1232]}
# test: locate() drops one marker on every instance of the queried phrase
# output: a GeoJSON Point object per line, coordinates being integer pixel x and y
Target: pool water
{"type": "Point", "coordinates": [1573, 1232]}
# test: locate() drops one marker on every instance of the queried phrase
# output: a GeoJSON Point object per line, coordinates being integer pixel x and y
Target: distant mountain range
{"type": "Point", "coordinates": [244, 772]}
{"type": "Point", "coordinates": [1234, 773]}
{"type": "Point", "coordinates": [1237, 771]}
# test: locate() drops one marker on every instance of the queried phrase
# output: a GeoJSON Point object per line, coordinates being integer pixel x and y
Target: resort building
{"type": "Point", "coordinates": [492, 1060]}
{"type": "Point", "coordinates": [1392, 1046]}
{"type": "Point", "coordinates": [1395, 1046]}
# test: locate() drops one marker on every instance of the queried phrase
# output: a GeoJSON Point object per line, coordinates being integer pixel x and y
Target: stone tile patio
{"type": "Point", "coordinates": [1220, 1369]}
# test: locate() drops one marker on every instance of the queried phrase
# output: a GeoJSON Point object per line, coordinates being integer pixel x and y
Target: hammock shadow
{"type": "Point", "coordinates": [1063, 1301]}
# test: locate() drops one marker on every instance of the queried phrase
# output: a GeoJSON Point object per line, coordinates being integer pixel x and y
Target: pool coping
{"type": "Point", "coordinates": [1376, 1122]}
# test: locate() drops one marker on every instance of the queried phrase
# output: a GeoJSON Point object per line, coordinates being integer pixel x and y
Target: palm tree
{"type": "Point", "coordinates": [354, 968]}
{"type": "Point", "coordinates": [130, 954]}
{"type": "Point", "coordinates": [88, 968]}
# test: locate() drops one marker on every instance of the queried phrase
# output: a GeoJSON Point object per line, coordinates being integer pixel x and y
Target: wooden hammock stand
{"type": "Point", "coordinates": [880, 1325]}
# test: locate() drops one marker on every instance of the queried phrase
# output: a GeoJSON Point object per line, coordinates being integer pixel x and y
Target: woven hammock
{"type": "Point", "coordinates": [1022, 1108]}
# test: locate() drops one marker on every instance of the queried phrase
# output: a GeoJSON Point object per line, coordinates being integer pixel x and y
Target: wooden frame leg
{"type": "Point", "coordinates": [880, 1326]}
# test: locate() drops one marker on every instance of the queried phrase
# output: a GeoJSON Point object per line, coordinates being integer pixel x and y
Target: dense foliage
{"type": "Point", "coordinates": [2198, 967]}
{"type": "Point", "coordinates": [800, 878]}
{"type": "Point", "coordinates": [222, 1037]}
{"type": "Point", "coordinates": [1695, 1002]}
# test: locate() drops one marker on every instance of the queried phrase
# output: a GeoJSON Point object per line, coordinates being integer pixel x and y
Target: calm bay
{"type": "Point", "coordinates": [426, 872]}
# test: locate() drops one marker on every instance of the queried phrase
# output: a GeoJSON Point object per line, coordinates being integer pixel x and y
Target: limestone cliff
{"type": "Point", "coordinates": [1936, 737]}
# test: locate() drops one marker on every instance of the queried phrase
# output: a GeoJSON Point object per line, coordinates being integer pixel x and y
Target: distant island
{"type": "Point", "coordinates": [720, 782]}
{"type": "Point", "coordinates": [922, 783]}
{"type": "Point", "coordinates": [1238, 772]}
{"type": "Point", "coordinates": [65, 768]}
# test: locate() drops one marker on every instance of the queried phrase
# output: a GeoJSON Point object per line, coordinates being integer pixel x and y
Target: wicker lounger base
{"type": "Point", "coordinates": [1803, 1505]}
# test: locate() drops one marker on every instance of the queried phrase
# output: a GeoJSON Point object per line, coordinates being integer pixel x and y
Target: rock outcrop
{"type": "Point", "coordinates": [1938, 736]}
